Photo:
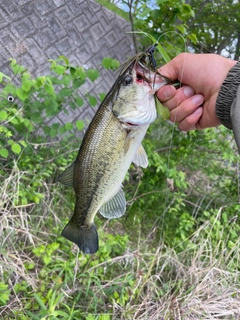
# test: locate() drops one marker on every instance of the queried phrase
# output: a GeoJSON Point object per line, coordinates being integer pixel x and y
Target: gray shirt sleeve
{"type": "Point", "coordinates": [228, 102]}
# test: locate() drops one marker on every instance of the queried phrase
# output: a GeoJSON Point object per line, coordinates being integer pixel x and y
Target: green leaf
{"type": "Point", "coordinates": [27, 85]}
{"type": "Point", "coordinates": [186, 8]}
{"type": "Point", "coordinates": [25, 76]}
{"type": "Point", "coordinates": [193, 38]}
{"type": "Point", "coordinates": [36, 105]}
{"type": "Point", "coordinates": [161, 110]}
{"type": "Point", "coordinates": [22, 95]}
{"type": "Point", "coordinates": [4, 297]}
{"type": "Point", "coordinates": [115, 64]}
{"type": "Point", "coordinates": [155, 13]}
{"type": "Point", "coordinates": [14, 120]}
{"type": "Point", "coordinates": [72, 105]}
{"type": "Point", "coordinates": [146, 11]}
{"type": "Point", "coordinates": [36, 117]}
{"type": "Point", "coordinates": [55, 80]}
{"type": "Point", "coordinates": [59, 69]}
{"type": "Point", "coordinates": [80, 72]}
{"type": "Point", "coordinates": [46, 130]}
{"type": "Point", "coordinates": [55, 126]}
{"type": "Point", "coordinates": [109, 63]}
{"type": "Point", "coordinates": [68, 126]}
{"type": "Point", "coordinates": [4, 153]}
{"type": "Point", "coordinates": [53, 133]}
{"type": "Point", "coordinates": [13, 62]}
{"type": "Point", "coordinates": [106, 62]}
{"type": "Point", "coordinates": [16, 148]}
{"type": "Point", "coordinates": [2, 75]}
{"type": "Point", "coordinates": [79, 125]}
{"type": "Point", "coordinates": [53, 64]}
{"type": "Point", "coordinates": [161, 1]}
{"type": "Point", "coordinates": [67, 79]}
{"type": "Point", "coordinates": [79, 101]}
{"type": "Point", "coordinates": [23, 143]}
{"type": "Point", "coordinates": [9, 88]}
{"type": "Point", "coordinates": [26, 123]}
{"type": "Point", "coordinates": [62, 130]}
{"type": "Point", "coordinates": [181, 28]}
{"type": "Point", "coordinates": [77, 83]}
{"type": "Point", "coordinates": [40, 81]}
{"type": "Point", "coordinates": [62, 313]}
{"type": "Point", "coordinates": [160, 48]}
{"type": "Point", "coordinates": [92, 74]}
{"type": "Point", "coordinates": [192, 13]}
{"type": "Point", "coordinates": [39, 301]}
{"type": "Point", "coordinates": [10, 142]}
{"type": "Point", "coordinates": [18, 69]}
{"type": "Point", "coordinates": [3, 115]}
{"type": "Point", "coordinates": [49, 88]}
{"type": "Point", "coordinates": [32, 315]}
{"type": "Point", "coordinates": [102, 96]}
{"type": "Point", "coordinates": [51, 106]}
{"type": "Point", "coordinates": [65, 59]}
{"type": "Point", "coordinates": [92, 100]}
{"type": "Point", "coordinates": [65, 92]}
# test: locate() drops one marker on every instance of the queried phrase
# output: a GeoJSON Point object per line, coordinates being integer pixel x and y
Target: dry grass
{"type": "Point", "coordinates": [201, 282]}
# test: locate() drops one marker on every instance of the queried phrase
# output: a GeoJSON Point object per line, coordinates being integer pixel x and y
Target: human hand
{"type": "Point", "coordinates": [193, 105]}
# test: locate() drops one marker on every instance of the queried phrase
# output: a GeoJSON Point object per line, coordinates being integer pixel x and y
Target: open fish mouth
{"type": "Point", "coordinates": [135, 103]}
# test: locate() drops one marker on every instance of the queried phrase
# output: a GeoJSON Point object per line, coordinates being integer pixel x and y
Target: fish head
{"type": "Point", "coordinates": [135, 101]}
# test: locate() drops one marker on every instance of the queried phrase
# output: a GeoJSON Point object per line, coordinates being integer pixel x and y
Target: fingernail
{"type": "Point", "coordinates": [168, 91]}
{"type": "Point", "coordinates": [188, 91]}
{"type": "Point", "coordinates": [198, 99]}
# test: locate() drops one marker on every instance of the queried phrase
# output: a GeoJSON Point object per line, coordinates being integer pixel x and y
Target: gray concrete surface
{"type": "Point", "coordinates": [33, 31]}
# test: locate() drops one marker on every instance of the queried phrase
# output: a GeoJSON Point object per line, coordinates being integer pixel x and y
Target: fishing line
{"type": "Point", "coordinates": [166, 207]}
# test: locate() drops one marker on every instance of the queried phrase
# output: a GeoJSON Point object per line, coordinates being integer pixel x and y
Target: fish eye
{"type": "Point", "coordinates": [127, 80]}
{"type": "Point", "coordinates": [10, 98]}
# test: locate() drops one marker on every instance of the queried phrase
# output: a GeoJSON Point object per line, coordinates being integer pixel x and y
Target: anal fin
{"type": "Point", "coordinates": [66, 177]}
{"type": "Point", "coordinates": [141, 158]}
{"type": "Point", "coordinates": [115, 207]}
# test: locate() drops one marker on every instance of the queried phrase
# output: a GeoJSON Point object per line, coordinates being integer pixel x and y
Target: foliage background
{"type": "Point", "coordinates": [175, 254]}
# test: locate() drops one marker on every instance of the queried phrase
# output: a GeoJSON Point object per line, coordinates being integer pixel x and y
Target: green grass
{"type": "Point", "coordinates": [174, 255]}
{"type": "Point", "coordinates": [44, 276]}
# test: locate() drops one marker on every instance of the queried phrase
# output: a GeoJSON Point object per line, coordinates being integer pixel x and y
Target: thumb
{"type": "Point", "coordinates": [169, 70]}
{"type": "Point", "coordinates": [174, 68]}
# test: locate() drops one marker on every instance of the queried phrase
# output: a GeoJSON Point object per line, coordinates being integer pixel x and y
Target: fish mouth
{"type": "Point", "coordinates": [131, 124]}
{"type": "Point", "coordinates": [128, 125]}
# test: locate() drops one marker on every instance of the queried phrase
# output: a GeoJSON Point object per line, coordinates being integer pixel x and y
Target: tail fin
{"type": "Point", "coordinates": [85, 237]}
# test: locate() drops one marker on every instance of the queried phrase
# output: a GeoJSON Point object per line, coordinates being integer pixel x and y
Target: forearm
{"type": "Point", "coordinates": [228, 102]}
{"type": "Point", "coordinates": [227, 94]}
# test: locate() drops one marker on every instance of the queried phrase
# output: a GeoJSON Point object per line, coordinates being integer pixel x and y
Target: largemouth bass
{"type": "Point", "coordinates": [111, 143]}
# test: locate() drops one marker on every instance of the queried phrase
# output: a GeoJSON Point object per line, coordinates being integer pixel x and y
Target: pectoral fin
{"type": "Point", "coordinates": [115, 207]}
{"type": "Point", "coordinates": [141, 158]}
{"type": "Point", "coordinates": [127, 142]}
{"type": "Point", "coordinates": [66, 177]}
